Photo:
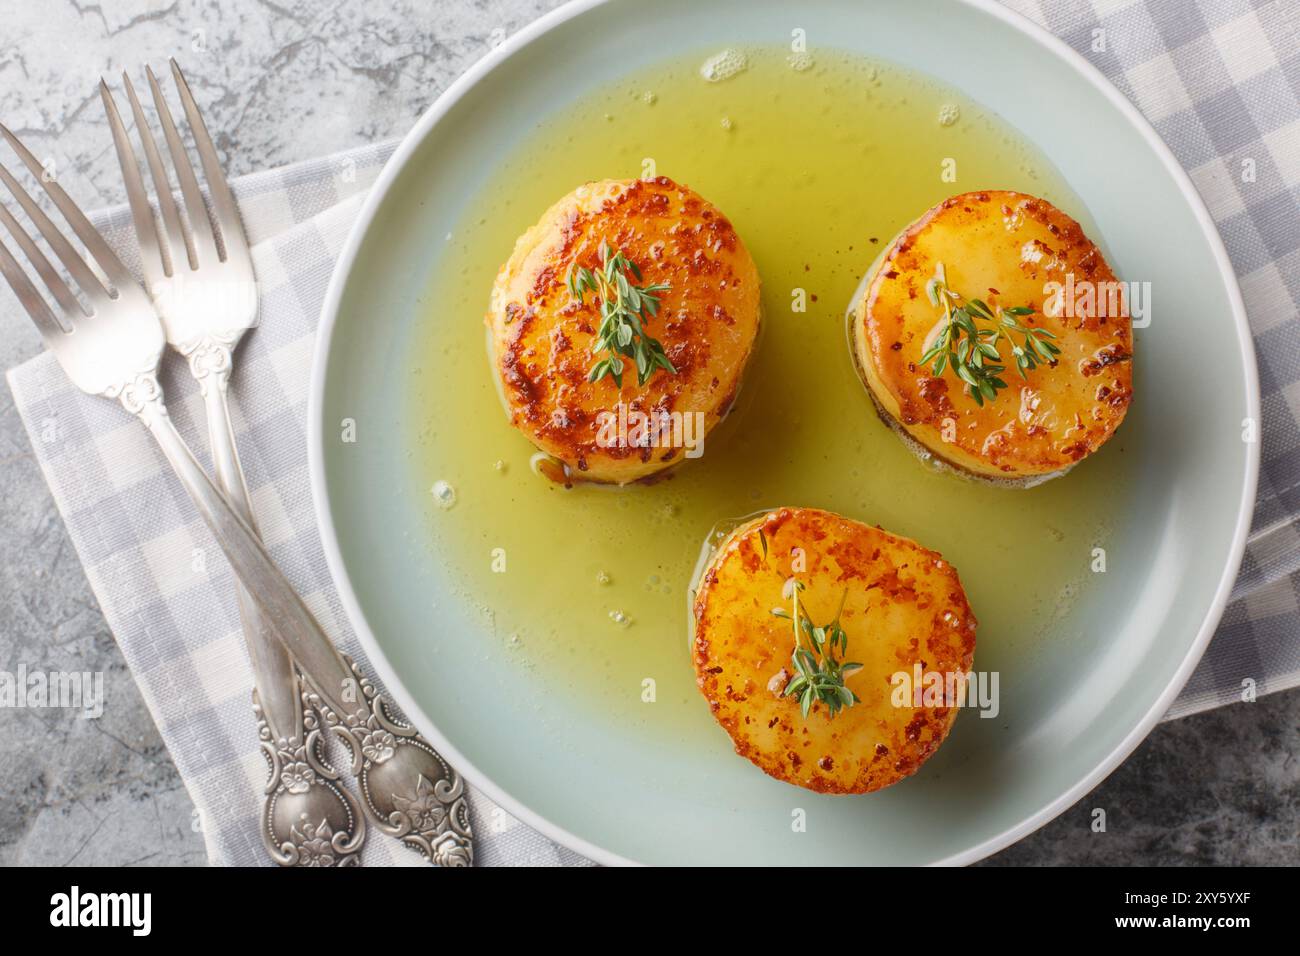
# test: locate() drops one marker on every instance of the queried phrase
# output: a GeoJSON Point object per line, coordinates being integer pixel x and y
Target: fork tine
{"type": "Point", "coordinates": [232, 229]}
{"type": "Point", "coordinates": [53, 281]}
{"type": "Point", "coordinates": [31, 300]}
{"type": "Point", "coordinates": [151, 257]}
{"type": "Point", "coordinates": [94, 242]}
{"type": "Point", "coordinates": [205, 246]}
{"type": "Point", "coordinates": [176, 244]}
{"type": "Point", "coordinates": [71, 259]}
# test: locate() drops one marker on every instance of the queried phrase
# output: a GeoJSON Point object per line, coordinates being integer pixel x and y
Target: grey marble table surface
{"type": "Point", "coordinates": [285, 81]}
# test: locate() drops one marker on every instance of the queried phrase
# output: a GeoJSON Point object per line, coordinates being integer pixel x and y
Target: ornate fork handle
{"type": "Point", "coordinates": [409, 791]}
{"type": "Point", "coordinates": [113, 351]}
{"type": "Point", "coordinates": [307, 819]}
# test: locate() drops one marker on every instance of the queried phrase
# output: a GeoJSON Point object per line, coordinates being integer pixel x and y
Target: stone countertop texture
{"type": "Point", "coordinates": [286, 81]}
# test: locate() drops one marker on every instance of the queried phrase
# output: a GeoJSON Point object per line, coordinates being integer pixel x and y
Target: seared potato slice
{"type": "Point", "coordinates": [1004, 248]}
{"type": "Point", "coordinates": [903, 606]}
{"type": "Point", "coordinates": [544, 342]}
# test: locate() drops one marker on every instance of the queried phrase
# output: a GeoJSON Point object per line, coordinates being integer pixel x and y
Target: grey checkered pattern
{"type": "Point", "coordinates": [164, 587]}
{"type": "Point", "coordinates": [1220, 80]}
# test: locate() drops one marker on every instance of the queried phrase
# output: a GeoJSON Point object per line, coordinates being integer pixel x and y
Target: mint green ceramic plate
{"type": "Point", "coordinates": [610, 795]}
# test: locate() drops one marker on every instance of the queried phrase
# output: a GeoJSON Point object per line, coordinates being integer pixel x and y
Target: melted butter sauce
{"type": "Point", "coordinates": [818, 161]}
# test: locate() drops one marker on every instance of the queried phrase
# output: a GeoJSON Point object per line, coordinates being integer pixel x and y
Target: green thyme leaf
{"type": "Point", "coordinates": [819, 673]}
{"type": "Point", "coordinates": [624, 309]}
{"type": "Point", "coordinates": [971, 350]}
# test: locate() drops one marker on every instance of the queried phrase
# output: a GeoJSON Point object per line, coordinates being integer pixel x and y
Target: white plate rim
{"type": "Point", "coordinates": [329, 537]}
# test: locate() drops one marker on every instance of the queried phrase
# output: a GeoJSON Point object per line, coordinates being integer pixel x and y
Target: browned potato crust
{"type": "Point", "coordinates": [904, 606]}
{"type": "Point", "coordinates": [1003, 247]}
{"type": "Point", "coordinates": [541, 339]}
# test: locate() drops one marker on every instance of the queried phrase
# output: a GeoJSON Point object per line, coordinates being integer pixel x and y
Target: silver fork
{"type": "Point", "coordinates": [112, 348]}
{"type": "Point", "coordinates": [206, 302]}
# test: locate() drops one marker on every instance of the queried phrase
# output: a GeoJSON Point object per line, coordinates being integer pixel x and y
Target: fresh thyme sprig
{"type": "Point", "coordinates": [819, 675]}
{"type": "Point", "coordinates": [624, 310]}
{"type": "Point", "coordinates": [972, 350]}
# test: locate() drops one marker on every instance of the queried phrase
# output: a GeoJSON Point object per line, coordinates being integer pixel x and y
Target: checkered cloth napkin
{"type": "Point", "coordinates": [162, 583]}
{"type": "Point", "coordinates": [1220, 79]}
{"type": "Point", "coordinates": [1220, 82]}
